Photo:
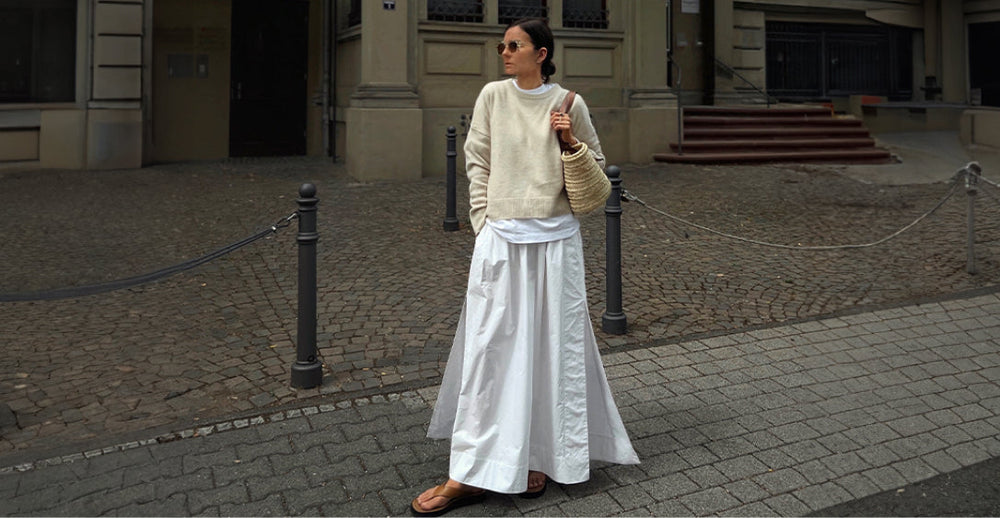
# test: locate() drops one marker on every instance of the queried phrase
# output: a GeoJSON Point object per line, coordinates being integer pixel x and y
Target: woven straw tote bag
{"type": "Point", "coordinates": [587, 187]}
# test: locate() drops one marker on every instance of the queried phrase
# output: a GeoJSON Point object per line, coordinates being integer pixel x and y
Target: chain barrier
{"type": "Point", "coordinates": [966, 172]}
{"type": "Point", "coordinates": [990, 194]}
{"type": "Point", "coordinates": [94, 289]}
{"type": "Point", "coordinates": [993, 185]}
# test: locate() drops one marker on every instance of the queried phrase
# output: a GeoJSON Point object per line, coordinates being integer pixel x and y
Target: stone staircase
{"type": "Point", "coordinates": [731, 134]}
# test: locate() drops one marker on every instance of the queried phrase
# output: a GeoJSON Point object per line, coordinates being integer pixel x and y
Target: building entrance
{"type": "Point", "coordinates": [984, 75]}
{"type": "Point", "coordinates": [812, 61]}
{"type": "Point", "coordinates": [267, 114]}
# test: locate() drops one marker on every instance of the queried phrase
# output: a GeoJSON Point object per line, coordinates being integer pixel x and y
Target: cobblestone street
{"type": "Point", "coordinates": [218, 341]}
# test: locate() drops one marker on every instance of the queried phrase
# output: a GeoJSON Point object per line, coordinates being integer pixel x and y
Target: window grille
{"type": "Point", "coordinates": [513, 10]}
{"type": "Point", "coordinates": [585, 14]}
{"type": "Point", "coordinates": [455, 10]}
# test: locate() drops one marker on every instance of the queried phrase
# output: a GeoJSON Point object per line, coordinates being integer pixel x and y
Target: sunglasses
{"type": "Point", "coordinates": [512, 46]}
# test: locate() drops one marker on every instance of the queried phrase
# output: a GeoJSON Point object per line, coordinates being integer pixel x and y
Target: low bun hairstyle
{"type": "Point", "coordinates": [541, 37]}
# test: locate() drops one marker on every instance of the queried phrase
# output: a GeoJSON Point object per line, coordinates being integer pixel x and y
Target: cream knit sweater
{"type": "Point", "coordinates": [512, 155]}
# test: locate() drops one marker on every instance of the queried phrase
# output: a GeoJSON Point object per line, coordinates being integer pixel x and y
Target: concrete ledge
{"type": "Point", "coordinates": [855, 102]}
{"type": "Point", "coordinates": [908, 117]}
{"type": "Point", "coordinates": [980, 126]}
{"type": "Point", "coordinates": [18, 144]}
{"type": "Point", "coordinates": [62, 139]}
{"type": "Point", "coordinates": [114, 139]}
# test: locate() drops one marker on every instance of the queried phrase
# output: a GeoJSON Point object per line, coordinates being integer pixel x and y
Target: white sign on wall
{"type": "Point", "coordinates": [690, 6]}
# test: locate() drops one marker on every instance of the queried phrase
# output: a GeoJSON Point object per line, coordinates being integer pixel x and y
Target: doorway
{"type": "Point", "coordinates": [983, 72]}
{"type": "Point", "coordinates": [267, 108]}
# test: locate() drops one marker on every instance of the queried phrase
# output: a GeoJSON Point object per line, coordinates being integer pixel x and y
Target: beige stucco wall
{"type": "Point", "coordinates": [191, 114]}
{"type": "Point", "coordinates": [314, 99]}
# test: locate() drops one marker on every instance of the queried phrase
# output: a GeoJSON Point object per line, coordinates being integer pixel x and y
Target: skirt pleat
{"type": "Point", "coordinates": [524, 388]}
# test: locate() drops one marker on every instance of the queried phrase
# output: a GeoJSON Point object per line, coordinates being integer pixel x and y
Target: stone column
{"type": "Point", "coordinates": [723, 84]}
{"type": "Point", "coordinates": [114, 109]}
{"type": "Point", "coordinates": [384, 120]}
{"type": "Point", "coordinates": [932, 47]}
{"type": "Point", "coordinates": [652, 106]}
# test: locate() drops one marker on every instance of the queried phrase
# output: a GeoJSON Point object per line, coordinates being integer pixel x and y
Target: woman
{"type": "Point", "coordinates": [524, 397]}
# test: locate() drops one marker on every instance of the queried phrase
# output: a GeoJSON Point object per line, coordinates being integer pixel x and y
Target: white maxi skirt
{"type": "Point", "coordinates": [524, 387]}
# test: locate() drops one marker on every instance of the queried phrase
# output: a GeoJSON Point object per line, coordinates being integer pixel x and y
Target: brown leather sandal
{"type": "Point", "coordinates": [455, 498]}
{"type": "Point", "coordinates": [537, 492]}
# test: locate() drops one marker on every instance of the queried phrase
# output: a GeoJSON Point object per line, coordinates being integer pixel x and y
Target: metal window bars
{"type": "Point", "coordinates": [513, 10]}
{"type": "Point", "coordinates": [455, 10]}
{"type": "Point", "coordinates": [585, 18]}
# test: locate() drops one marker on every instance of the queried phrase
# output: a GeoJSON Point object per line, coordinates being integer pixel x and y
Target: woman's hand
{"type": "Point", "coordinates": [563, 123]}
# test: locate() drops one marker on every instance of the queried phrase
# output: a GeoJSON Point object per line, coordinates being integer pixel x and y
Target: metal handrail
{"type": "Point", "coordinates": [680, 105]}
{"type": "Point", "coordinates": [767, 98]}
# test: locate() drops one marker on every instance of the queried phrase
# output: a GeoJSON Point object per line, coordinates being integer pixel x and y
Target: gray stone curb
{"type": "Point", "coordinates": [210, 429]}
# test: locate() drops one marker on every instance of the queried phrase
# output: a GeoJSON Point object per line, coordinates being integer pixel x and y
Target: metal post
{"type": "Point", "coordinates": [307, 371]}
{"type": "Point", "coordinates": [972, 172]}
{"type": "Point", "coordinates": [450, 219]}
{"type": "Point", "coordinates": [613, 321]}
{"type": "Point", "coordinates": [680, 105]}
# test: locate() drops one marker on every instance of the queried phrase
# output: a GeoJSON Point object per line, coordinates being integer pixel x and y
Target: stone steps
{"type": "Point", "coordinates": [723, 134]}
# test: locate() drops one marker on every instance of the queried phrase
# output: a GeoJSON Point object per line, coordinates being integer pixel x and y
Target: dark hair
{"type": "Point", "coordinates": [541, 37]}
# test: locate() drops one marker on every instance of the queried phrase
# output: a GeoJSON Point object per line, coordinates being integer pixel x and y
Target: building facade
{"type": "Point", "coordinates": [93, 84]}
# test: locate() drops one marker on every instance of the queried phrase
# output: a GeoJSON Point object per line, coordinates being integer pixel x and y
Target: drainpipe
{"type": "Point", "coordinates": [332, 117]}
{"type": "Point", "coordinates": [326, 77]}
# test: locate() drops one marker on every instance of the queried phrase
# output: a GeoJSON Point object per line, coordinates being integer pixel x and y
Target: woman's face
{"type": "Point", "coordinates": [527, 60]}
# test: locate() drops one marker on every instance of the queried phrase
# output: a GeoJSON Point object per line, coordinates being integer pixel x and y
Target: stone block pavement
{"type": "Point", "coordinates": [839, 374]}
{"type": "Point", "coordinates": [781, 421]}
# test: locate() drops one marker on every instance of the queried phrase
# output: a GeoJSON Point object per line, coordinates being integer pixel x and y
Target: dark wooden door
{"type": "Point", "coordinates": [267, 115]}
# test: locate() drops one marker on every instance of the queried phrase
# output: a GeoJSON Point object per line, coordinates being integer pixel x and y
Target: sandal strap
{"type": "Point", "coordinates": [453, 493]}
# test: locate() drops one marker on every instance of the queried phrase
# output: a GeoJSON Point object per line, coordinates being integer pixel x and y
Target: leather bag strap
{"type": "Point", "coordinates": [567, 102]}
{"type": "Point", "coordinates": [566, 105]}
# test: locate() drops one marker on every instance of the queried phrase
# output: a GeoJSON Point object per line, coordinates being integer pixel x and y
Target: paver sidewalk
{"type": "Point", "coordinates": [785, 420]}
{"type": "Point", "coordinates": [219, 340]}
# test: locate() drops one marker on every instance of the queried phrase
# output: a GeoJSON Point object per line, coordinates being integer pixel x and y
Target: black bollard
{"type": "Point", "coordinates": [307, 371]}
{"type": "Point", "coordinates": [613, 321]}
{"type": "Point", "coordinates": [972, 173]}
{"type": "Point", "coordinates": [450, 219]}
